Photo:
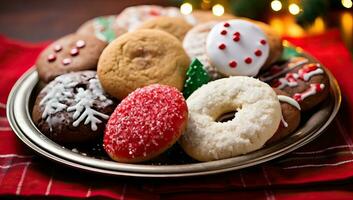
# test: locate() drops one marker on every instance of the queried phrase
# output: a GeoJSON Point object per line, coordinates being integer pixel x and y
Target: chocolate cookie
{"type": "Point", "coordinates": [70, 53]}
{"type": "Point", "coordinates": [304, 81]}
{"type": "Point", "coordinates": [141, 58]}
{"type": "Point", "coordinates": [176, 26]}
{"type": "Point", "coordinates": [290, 117]}
{"type": "Point", "coordinates": [100, 27]}
{"type": "Point", "coordinates": [73, 108]}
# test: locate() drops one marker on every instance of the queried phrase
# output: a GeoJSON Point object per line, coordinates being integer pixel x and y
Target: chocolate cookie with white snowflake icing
{"type": "Point", "coordinates": [73, 108]}
{"type": "Point", "coordinates": [74, 52]}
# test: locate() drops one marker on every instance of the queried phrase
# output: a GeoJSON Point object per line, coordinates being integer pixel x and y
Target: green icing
{"type": "Point", "coordinates": [289, 52]}
{"type": "Point", "coordinates": [196, 76]}
{"type": "Point", "coordinates": [103, 28]}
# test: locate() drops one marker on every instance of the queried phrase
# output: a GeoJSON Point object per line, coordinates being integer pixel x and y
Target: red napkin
{"type": "Point", "coordinates": [323, 169]}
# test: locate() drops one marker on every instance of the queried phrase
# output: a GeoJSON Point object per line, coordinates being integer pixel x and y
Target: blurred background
{"type": "Point", "coordinates": [38, 20]}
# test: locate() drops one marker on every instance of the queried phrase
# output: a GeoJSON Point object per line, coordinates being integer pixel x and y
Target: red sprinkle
{"type": "Point", "coordinates": [248, 60]}
{"type": "Point", "coordinates": [222, 46]}
{"type": "Point", "coordinates": [58, 48]}
{"type": "Point", "coordinates": [258, 52]}
{"type": "Point", "coordinates": [223, 32]}
{"type": "Point", "coordinates": [233, 64]}
{"type": "Point", "coordinates": [51, 57]}
{"type": "Point", "coordinates": [226, 24]}
{"type": "Point", "coordinates": [74, 52]}
{"type": "Point", "coordinates": [66, 61]}
{"type": "Point", "coordinates": [237, 33]}
{"type": "Point", "coordinates": [236, 38]}
{"type": "Point", "coordinates": [145, 123]}
{"type": "Point", "coordinates": [263, 42]}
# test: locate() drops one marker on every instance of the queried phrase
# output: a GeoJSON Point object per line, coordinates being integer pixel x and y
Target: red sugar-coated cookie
{"type": "Point", "coordinates": [145, 124]}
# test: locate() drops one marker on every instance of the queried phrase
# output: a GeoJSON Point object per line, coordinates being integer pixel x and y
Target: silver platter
{"type": "Point", "coordinates": [20, 103]}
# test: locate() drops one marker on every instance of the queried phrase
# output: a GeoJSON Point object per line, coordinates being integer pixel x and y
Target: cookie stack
{"type": "Point", "coordinates": [123, 79]}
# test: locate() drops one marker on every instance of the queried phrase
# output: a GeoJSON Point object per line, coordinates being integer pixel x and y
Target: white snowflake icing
{"type": "Point", "coordinates": [62, 93]}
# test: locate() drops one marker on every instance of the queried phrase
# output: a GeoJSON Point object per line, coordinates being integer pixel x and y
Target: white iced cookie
{"type": "Point", "coordinates": [237, 47]}
{"type": "Point", "coordinates": [194, 44]}
{"type": "Point", "coordinates": [132, 17]}
{"type": "Point", "coordinates": [258, 114]}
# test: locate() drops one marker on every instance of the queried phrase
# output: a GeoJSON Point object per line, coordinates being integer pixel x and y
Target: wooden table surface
{"type": "Point", "coordinates": [38, 20]}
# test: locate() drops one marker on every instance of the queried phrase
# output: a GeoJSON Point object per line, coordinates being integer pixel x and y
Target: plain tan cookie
{"type": "Point", "coordinates": [141, 58]}
{"type": "Point", "coordinates": [176, 26]}
{"type": "Point", "coordinates": [206, 16]}
{"type": "Point", "coordinates": [74, 52]}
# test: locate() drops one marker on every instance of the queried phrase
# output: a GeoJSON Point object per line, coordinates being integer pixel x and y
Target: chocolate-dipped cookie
{"type": "Point", "coordinates": [73, 108]}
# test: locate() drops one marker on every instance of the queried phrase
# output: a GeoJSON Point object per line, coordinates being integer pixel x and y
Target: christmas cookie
{"type": "Point", "coordinates": [176, 26]}
{"type": "Point", "coordinates": [202, 16]}
{"type": "Point", "coordinates": [237, 47]}
{"type": "Point", "coordinates": [100, 27]}
{"type": "Point", "coordinates": [70, 53]}
{"type": "Point", "coordinates": [257, 116]}
{"type": "Point", "coordinates": [195, 46]}
{"type": "Point", "coordinates": [132, 17]}
{"type": "Point", "coordinates": [73, 108]}
{"type": "Point", "coordinates": [274, 42]}
{"type": "Point", "coordinates": [290, 116]}
{"type": "Point", "coordinates": [141, 58]}
{"type": "Point", "coordinates": [196, 76]}
{"type": "Point", "coordinates": [145, 124]}
{"type": "Point", "coordinates": [308, 84]}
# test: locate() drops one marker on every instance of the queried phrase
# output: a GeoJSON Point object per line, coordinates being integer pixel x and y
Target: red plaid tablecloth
{"type": "Point", "coordinates": [322, 169]}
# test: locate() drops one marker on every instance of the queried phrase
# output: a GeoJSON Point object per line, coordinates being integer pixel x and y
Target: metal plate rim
{"type": "Point", "coordinates": [16, 126]}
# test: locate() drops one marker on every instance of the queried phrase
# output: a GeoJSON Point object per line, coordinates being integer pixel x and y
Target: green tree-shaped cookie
{"type": "Point", "coordinates": [196, 76]}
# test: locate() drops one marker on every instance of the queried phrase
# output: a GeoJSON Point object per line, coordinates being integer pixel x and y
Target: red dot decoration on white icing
{"type": "Point", "coordinates": [243, 41]}
{"type": "Point", "coordinates": [248, 60]}
{"type": "Point", "coordinates": [233, 64]}
{"type": "Point", "coordinates": [236, 38]}
{"type": "Point", "coordinates": [66, 61]}
{"type": "Point", "coordinates": [58, 48]}
{"type": "Point", "coordinates": [222, 46]}
{"type": "Point", "coordinates": [51, 57]}
{"type": "Point", "coordinates": [258, 52]}
{"type": "Point", "coordinates": [74, 52]}
{"type": "Point", "coordinates": [263, 42]}
{"type": "Point", "coordinates": [80, 44]}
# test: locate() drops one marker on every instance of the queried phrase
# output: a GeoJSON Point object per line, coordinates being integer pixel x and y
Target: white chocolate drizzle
{"type": "Point", "coordinates": [289, 100]}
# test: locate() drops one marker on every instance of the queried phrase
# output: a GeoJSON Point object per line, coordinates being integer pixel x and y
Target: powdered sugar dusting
{"type": "Point", "coordinates": [145, 122]}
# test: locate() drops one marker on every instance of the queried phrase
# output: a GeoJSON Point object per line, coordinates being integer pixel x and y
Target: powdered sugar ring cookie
{"type": "Point", "coordinates": [195, 46]}
{"type": "Point", "coordinates": [258, 114]}
{"type": "Point", "coordinates": [147, 122]}
{"type": "Point", "coordinates": [237, 47]}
